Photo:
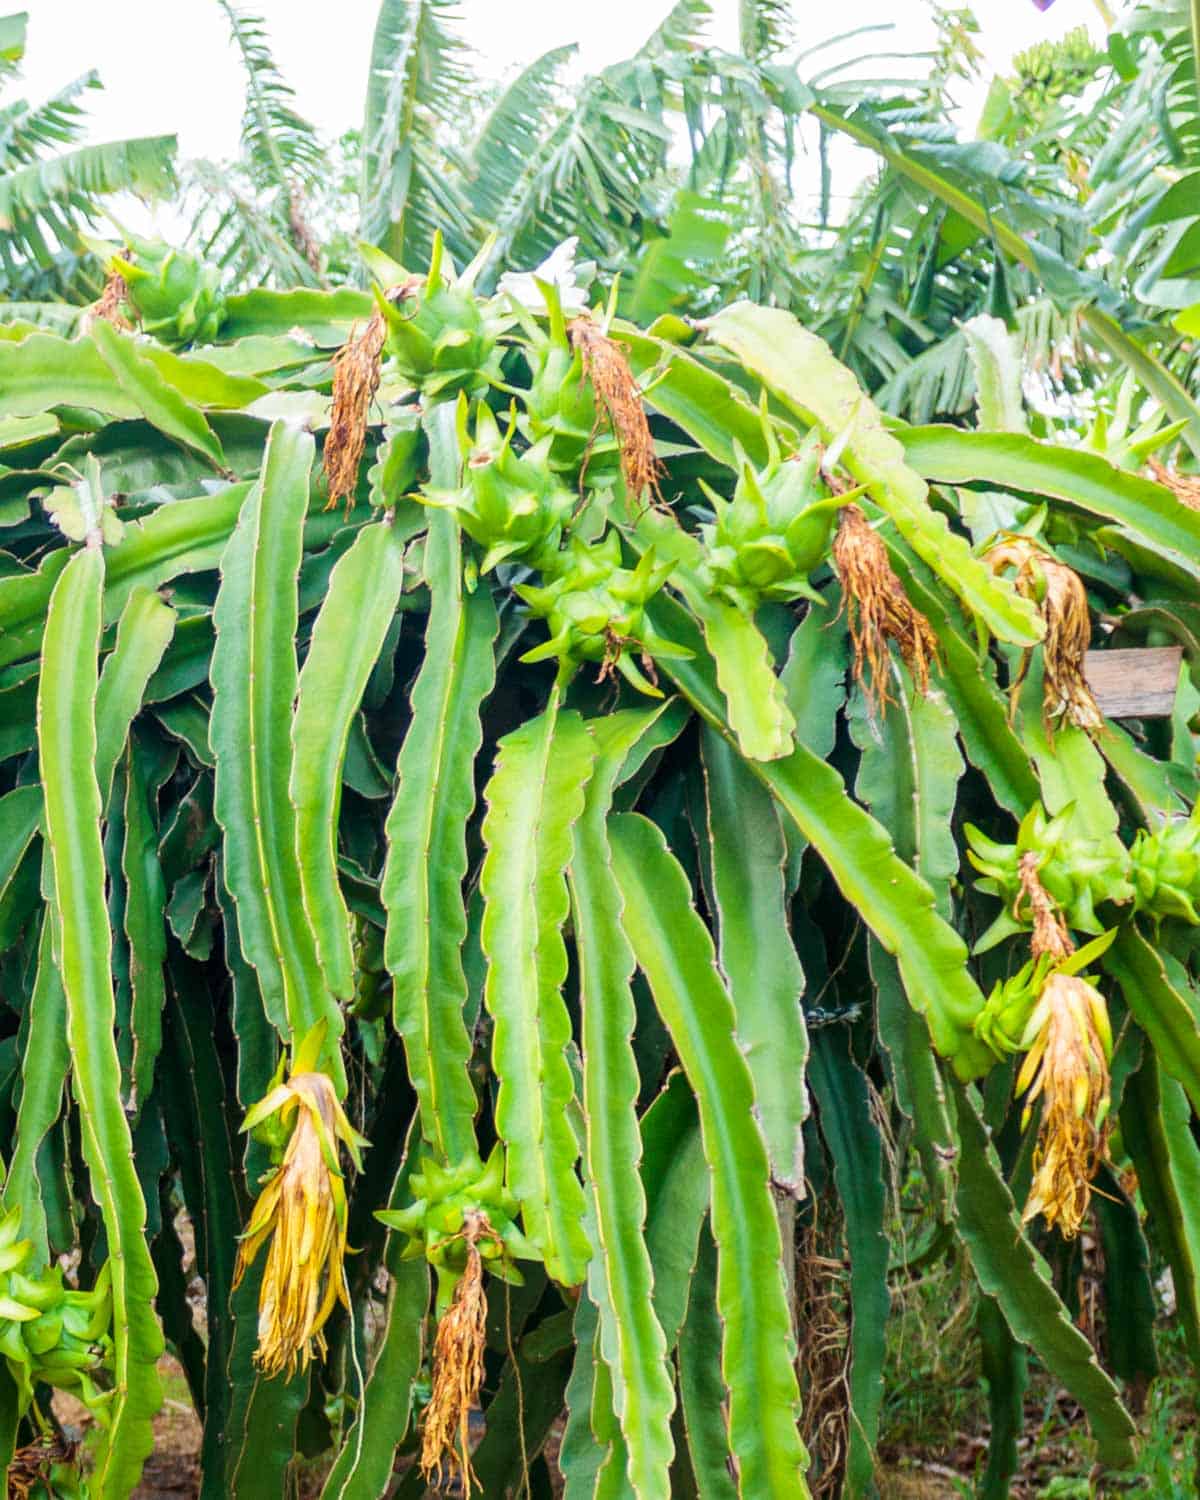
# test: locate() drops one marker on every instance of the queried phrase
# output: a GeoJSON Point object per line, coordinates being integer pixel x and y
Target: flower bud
{"type": "Point", "coordinates": [774, 532]}
{"type": "Point", "coordinates": [595, 610]}
{"type": "Point", "coordinates": [175, 297]}
{"type": "Point", "coordinates": [1165, 867]}
{"type": "Point", "coordinates": [1077, 873]}
{"type": "Point", "coordinates": [512, 505]}
{"type": "Point", "coordinates": [439, 335]}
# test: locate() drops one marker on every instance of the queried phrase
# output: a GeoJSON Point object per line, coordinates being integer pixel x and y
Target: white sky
{"type": "Point", "coordinates": [168, 66]}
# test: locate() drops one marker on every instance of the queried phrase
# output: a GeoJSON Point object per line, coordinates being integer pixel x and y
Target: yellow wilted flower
{"type": "Point", "coordinates": [1070, 1045]}
{"type": "Point", "coordinates": [302, 1211]}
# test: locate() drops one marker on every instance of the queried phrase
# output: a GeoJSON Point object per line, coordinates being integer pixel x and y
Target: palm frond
{"type": "Point", "coordinates": [765, 27]}
{"type": "Point", "coordinates": [417, 81]}
{"type": "Point", "coordinates": [280, 145]}
{"type": "Point", "coordinates": [12, 43]}
{"type": "Point", "coordinates": [681, 31]}
{"type": "Point", "coordinates": [28, 130]}
{"type": "Point", "coordinates": [42, 203]}
{"type": "Point", "coordinates": [517, 123]}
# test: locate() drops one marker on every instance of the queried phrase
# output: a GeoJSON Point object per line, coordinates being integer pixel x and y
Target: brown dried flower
{"type": "Point", "coordinates": [878, 611]}
{"type": "Point", "coordinates": [356, 368]}
{"type": "Point", "coordinates": [1062, 599]}
{"type": "Point", "coordinates": [607, 367]}
{"type": "Point", "coordinates": [1185, 487]}
{"type": "Point", "coordinates": [1067, 1068]}
{"type": "Point", "coordinates": [110, 305]}
{"type": "Point", "coordinates": [458, 1368]}
{"type": "Point", "coordinates": [1050, 933]}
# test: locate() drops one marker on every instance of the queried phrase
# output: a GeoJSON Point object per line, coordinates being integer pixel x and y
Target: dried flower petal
{"type": "Point", "coordinates": [878, 611]}
{"type": "Point", "coordinates": [1050, 933]}
{"type": "Point", "coordinates": [110, 305]}
{"type": "Point", "coordinates": [1062, 599]}
{"type": "Point", "coordinates": [607, 367]}
{"type": "Point", "coordinates": [302, 1212]}
{"type": "Point", "coordinates": [356, 368]}
{"type": "Point", "coordinates": [458, 1368]}
{"type": "Point", "coordinates": [1185, 487]}
{"type": "Point", "coordinates": [1067, 1068]}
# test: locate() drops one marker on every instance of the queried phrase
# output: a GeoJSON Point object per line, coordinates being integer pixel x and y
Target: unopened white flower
{"type": "Point", "coordinates": [558, 269]}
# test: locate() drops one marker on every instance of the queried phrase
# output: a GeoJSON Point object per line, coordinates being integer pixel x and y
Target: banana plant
{"type": "Point", "coordinates": [561, 864]}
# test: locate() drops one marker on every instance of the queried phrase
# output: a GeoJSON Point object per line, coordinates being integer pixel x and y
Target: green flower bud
{"type": "Point", "coordinates": [1165, 866]}
{"type": "Point", "coordinates": [440, 336]}
{"type": "Point", "coordinates": [775, 531]}
{"type": "Point", "coordinates": [1001, 1023]}
{"type": "Point", "coordinates": [51, 1334]}
{"type": "Point", "coordinates": [561, 402]}
{"type": "Point", "coordinates": [435, 1221]}
{"type": "Point", "coordinates": [176, 297]}
{"type": "Point", "coordinates": [1078, 873]}
{"type": "Point", "coordinates": [512, 505]}
{"type": "Point", "coordinates": [595, 610]}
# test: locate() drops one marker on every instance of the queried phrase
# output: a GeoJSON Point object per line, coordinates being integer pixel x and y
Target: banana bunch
{"type": "Point", "coordinates": [174, 296]}
{"type": "Point", "coordinates": [458, 1208]}
{"type": "Point", "coordinates": [776, 529]}
{"type": "Point", "coordinates": [1079, 873]}
{"type": "Point", "coordinates": [51, 1334]}
{"type": "Point", "coordinates": [440, 336]}
{"type": "Point", "coordinates": [513, 505]}
{"type": "Point", "coordinates": [595, 610]}
{"type": "Point", "coordinates": [1165, 868]}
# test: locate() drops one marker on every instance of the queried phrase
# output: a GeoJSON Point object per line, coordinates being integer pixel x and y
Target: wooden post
{"type": "Point", "coordinates": [1136, 684]}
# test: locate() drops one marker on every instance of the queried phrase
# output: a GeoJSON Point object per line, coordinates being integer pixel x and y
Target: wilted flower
{"type": "Point", "coordinates": [1061, 597]}
{"type": "Point", "coordinates": [462, 1219]}
{"type": "Point", "coordinates": [356, 368]}
{"type": "Point", "coordinates": [1070, 1046]}
{"type": "Point", "coordinates": [302, 1211]}
{"type": "Point", "coordinates": [878, 611]}
{"type": "Point", "coordinates": [606, 366]}
{"type": "Point", "coordinates": [458, 1366]}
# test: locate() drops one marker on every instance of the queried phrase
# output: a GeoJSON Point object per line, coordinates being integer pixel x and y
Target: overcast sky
{"type": "Point", "coordinates": [168, 66]}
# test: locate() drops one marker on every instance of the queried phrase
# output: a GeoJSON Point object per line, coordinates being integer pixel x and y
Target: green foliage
{"type": "Point", "coordinates": [47, 193]}
{"type": "Point", "coordinates": [554, 835]}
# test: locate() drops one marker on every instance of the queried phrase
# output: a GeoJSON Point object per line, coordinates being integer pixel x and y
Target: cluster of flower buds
{"type": "Point", "coordinates": [1078, 873]}
{"type": "Point", "coordinates": [456, 1210]}
{"type": "Point", "coordinates": [440, 336]}
{"type": "Point", "coordinates": [513, 505]}
{"type": "Point", "coordinates": [51, 1334]}
{"type": "Point", "coordinates": [171, 294]}
{"type": "Point", "coordinates": [595, 611]}
{"type": "Point", "coordinates": [1165, 868]}
{"type": "Point", "coordinates": [776, 529]}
